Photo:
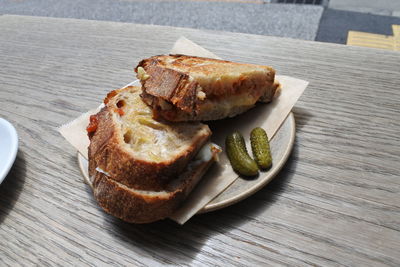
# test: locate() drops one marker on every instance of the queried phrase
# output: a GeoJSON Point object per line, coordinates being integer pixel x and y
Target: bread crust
{"type": "Point", "coordinates": [129, 206]}
{"type": "Point", "coordinates": [178, 81]}
{"type": "Point", "coordinates": [144, 207]}
{"type": "Point", "coordinates": [107, 152]}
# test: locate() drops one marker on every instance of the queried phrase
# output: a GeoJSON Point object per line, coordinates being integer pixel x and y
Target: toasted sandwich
{"type": "Point", "coordinates": [142, 169]}
{"type": "Point", "coordinates": [188, 88]}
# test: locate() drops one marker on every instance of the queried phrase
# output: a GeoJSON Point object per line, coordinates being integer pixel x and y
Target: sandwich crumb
{"type": "Point", "coordinates": [141, 74]}
{"type": "Point", "coordinates": [201, 95]}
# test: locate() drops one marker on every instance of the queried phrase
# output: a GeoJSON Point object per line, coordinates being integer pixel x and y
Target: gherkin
{"type": "Point", "coordinates": [240, 160]}
{"type": "Point", "coordinates": [260, 147]}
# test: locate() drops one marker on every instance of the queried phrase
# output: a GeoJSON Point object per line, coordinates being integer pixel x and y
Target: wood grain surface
{"type": "Point", "coordinates": [336, 202]}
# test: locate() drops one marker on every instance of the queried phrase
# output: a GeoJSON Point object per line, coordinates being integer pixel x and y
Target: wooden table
{"type": "Point", "coordinates": [336, 201]}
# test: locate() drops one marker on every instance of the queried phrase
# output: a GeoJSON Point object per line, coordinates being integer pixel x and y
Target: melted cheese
{"type": "Point", "coordinates": [147, 138]}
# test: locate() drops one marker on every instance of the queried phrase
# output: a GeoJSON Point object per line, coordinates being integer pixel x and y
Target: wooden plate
{"type": "Point", "coordinates": [281, 146]}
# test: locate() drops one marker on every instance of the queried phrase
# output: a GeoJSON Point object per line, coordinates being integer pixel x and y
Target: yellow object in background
{"type": "Point", "coordinates": [375, 40]}
{"type": "Point", "coordinates": [396, 35]}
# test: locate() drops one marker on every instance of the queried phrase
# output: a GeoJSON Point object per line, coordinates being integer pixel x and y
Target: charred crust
{"type": "Point", "coordinates": [137, 207]}
{"type": "Point", "coordinates": [167, 82]}
{"type": "Point", "coordinates": [130, 206]}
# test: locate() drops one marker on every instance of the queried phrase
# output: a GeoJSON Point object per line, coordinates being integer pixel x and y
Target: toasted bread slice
{"type": "Point", "coordinates": [145, 206]}
{"type": "Point", "coordinates": [187, 88]}
{"type": "Point", "coordinates": [137, 151]}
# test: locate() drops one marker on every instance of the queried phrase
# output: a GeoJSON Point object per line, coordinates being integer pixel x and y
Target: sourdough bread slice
{"type": "Point", "coordinates": [188, 88]}
{"type": "Point", "coordinates": [135, 150]}
{"type": "Point", "coordinates": [145, 206]}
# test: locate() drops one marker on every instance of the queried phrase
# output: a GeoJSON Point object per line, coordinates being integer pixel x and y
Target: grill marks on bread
{"type": "Point", "coordinates": [184, 88]}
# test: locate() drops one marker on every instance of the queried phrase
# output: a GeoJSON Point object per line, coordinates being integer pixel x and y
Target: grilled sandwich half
{"type": "Point", "coordinates": [142, 169]}
{"type": "Point", "coordinates": [188, 88]}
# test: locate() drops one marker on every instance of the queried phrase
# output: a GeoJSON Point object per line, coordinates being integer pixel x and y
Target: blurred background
{"type": "Point", "coordinates": [355, 22]}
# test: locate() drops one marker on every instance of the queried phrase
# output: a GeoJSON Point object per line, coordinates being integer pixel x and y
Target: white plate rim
{"type": "Point", "coordinates": [13, 147]}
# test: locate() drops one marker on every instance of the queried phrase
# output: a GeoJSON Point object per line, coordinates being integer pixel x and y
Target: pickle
{"type": "Point", "coordinates": [240, 160]}
{"type": "Point", "coordinates": [260, 148]}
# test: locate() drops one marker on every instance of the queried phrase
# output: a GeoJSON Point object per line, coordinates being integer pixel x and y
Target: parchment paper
{"type": "Point", "coordinates": [214, 182]}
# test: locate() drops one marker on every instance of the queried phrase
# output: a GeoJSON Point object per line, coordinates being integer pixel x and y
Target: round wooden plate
{"type": "Point", "coordinates": [281, 146]}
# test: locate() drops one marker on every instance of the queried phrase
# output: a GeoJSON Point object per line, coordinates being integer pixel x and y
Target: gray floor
{"type": "Point", "coordinates": [335, 24]}
{"type": "Point", "coordinates": [293, 21]}
{"type": "Point", "coordinates": [307, 22]}
{"type": "Point", "coordinates": [376, 7]}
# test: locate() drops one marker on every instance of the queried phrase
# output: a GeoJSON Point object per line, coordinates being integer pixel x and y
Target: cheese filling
{"type": "Point", "coordinates": [147, 138]}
